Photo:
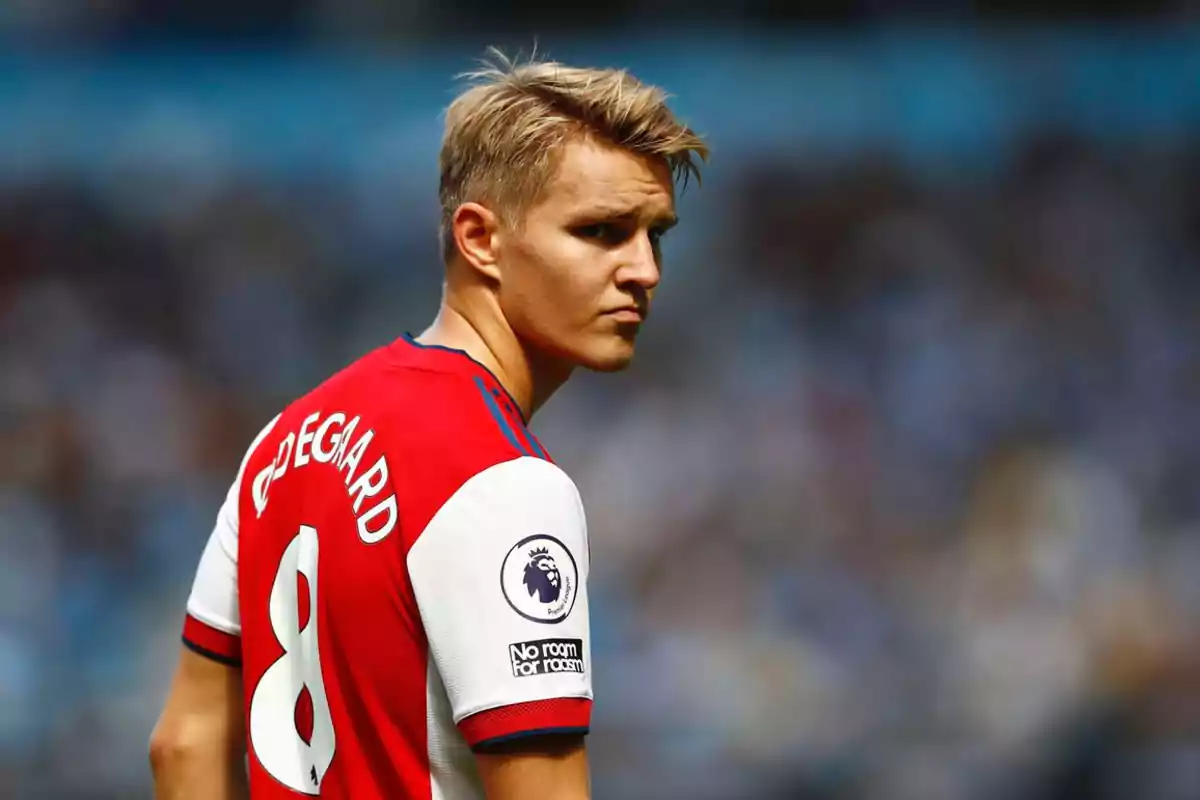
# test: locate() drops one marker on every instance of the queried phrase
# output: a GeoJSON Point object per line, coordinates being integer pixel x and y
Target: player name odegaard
{"type": "Point", "coordinates": [327, 442]}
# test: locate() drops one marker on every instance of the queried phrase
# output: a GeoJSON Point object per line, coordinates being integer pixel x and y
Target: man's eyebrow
{"type": "Point", "coordinates": [604, 211]}
{"type": "Point", "coordinates": [668, 220]}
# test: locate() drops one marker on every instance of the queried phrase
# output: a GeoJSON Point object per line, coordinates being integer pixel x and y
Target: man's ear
{"type": "Point", "coordinates": [476, 233]}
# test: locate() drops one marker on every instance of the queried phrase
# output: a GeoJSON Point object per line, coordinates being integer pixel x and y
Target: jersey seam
{"type": "Point", "coordinates": [506, 703]}
{"type": "Point", "coordinates": [459, 488]}
{"type": "Point", "coordinates": [224, 626]}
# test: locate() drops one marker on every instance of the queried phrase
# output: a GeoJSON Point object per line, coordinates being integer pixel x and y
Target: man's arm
{"type": "Point", "coordinates": [198, 747]}
{"type": "Point", "coordinates": [509, 633]}
{"type": "Point", "coordinates": [546, 767]}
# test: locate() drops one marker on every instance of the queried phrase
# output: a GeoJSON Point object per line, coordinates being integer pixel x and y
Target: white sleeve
{"type": "Point", "coordinates": [500, 577]}
{"type": "Point", "coordinates": [214, 597]}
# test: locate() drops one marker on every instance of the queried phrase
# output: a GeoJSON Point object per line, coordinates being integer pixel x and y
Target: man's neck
{"type": "Point", "coordinates": [528, 379]}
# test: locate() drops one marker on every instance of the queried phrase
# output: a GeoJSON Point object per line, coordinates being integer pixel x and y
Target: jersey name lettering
{"type": "Point", "coordinates": [327, 440]}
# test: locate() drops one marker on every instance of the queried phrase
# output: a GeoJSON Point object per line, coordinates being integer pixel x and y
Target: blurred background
{"type": "Point", "coordinates": [901, 499]}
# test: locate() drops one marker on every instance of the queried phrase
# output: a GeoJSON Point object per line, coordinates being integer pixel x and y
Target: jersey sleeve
{"type": "Point", "coordinates": [213, 626]}
{"type": "Point", "coordinates": [500, 578]}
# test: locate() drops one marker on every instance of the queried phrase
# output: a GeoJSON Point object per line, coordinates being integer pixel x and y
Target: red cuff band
{"type": "Point", "coordinates": [560, 715]}
{"type": "Point", "coordinates": [208, 641]}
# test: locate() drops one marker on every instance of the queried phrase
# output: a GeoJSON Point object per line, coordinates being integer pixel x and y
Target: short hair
{"type": "Point", "coordinates": [503, 134]}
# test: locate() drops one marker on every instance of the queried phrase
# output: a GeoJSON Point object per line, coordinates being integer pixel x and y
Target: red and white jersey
{"type": "Point", "coordinates": [401, 572]}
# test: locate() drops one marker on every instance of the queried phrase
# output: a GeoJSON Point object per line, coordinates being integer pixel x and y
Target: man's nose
{"type": "Point", "coordinates": [642, 265]}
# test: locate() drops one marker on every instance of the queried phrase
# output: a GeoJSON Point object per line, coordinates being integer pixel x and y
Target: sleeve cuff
{"type": "Point", "coordinates": [205, 640]}
{"type": "Point", "coordinates": [539, 717]}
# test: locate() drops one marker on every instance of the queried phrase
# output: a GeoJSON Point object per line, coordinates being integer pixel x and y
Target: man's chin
{"type": "Point", "coordinates": [605, 353]}
{"type": "Point", "coordinates": [614, 356]}
{"type": "Point", "coordinates": [610, 365]}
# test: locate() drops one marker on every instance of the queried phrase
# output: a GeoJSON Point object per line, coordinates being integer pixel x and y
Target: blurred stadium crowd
{"type": "Point", "coordinates": [899, 501]}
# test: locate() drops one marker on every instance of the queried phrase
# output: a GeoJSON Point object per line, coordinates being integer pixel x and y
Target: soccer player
{"type": "Point", "coordinates": [393, 602]}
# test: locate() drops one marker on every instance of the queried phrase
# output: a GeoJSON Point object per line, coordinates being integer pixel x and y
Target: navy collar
{"type": "Point", "coordinates": [408, 337]}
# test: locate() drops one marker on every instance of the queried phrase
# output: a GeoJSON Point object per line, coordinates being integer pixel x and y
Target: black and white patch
{"type": "Point", "coordinates": [540, 579]}
{"type": "Point", "coordinates": [546, 657]}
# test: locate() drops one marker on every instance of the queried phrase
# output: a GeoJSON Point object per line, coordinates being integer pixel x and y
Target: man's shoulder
{"type": "Point", "coordinates": [431, 399]}
{"type": "Point", "coordinates": [395, 386]}
{"type": "Point", "coordinates": [440, 418]}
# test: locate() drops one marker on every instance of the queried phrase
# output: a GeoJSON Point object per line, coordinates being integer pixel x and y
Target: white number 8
{"type": "Point", "coordinates": [278, 744]}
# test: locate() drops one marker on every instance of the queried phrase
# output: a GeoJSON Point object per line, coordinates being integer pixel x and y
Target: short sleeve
{"type": "Point", "coordinates": [500, 578]}
{"type": "Point", "coordinates": [213, 626]}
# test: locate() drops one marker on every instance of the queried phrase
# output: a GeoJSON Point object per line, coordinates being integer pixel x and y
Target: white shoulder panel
{"type": "Point", "coordinates": [214, 598]}
{"type": "Point", "coordinates": [500, 577]}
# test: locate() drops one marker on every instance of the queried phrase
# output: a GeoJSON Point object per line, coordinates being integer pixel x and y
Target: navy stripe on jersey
{"type": "Point", "coordinates": [493, 400]}
{"type": "Point", "coordinates": [498, 415]}
{"type": "Point", "coordinates": [209, 654]}
{"type": "Point", "coordinates": [408, 337]}
{"type": "Point", "coordinates": [504, 401]}
{"type": "Point", "coordinates": [537, 447]}
{"type": "Point", "coordinates": [489, 743]}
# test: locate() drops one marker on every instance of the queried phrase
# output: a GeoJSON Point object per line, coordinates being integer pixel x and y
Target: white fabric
{"type": "Point", "coordinates": [214, 597]}
{"type": "Point", "coordinates": [459, 563]}
{"type": "Point", "coordinates": [453, 773]}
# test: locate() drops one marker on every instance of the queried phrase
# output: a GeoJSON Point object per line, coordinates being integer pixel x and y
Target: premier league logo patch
{"type": "Point", "coordinates": [540, 579]}
{"type": "Point", "coordinates": [542, 576]}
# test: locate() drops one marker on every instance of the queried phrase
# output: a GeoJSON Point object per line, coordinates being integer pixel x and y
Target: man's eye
{"type": "Point", "coordinates": [602, 232]}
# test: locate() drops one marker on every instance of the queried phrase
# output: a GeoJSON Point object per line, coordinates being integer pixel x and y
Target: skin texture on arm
{"type": "Point", "coordinates": [198, 748]}
{"type": "Point", "coordinates": [545, 767]}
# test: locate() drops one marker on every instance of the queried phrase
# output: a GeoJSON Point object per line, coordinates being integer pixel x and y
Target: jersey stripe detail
{"type": "Point", "coordinates": [500, 404]}
{"type": "Point", "coordinates": [498, 415]}
{"type": "Point", "coordinates": [410, 339]}
{"type": "Point", "coordinates": [573, 713]}
{"type": "Point", "coordinates": [537, 447]}
{"type": "Point", "coordinates": [210, 655]}
{"type": "Point", "coordinates": [527, 437]}
{"type": "Point", "coordinates": [212, 643]}
{"type": "Point", "coordinates": [486, 743]}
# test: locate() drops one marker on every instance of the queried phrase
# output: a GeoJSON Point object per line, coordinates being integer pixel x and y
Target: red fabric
{"type": "Point", "coordinates": [565, 713]}
{"type": "Point", "coordinates": [209, 641]}
{"type": "Point", "coordinates": [430, 422]}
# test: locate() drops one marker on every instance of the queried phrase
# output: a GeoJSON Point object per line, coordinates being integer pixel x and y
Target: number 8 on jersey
{"type": "Point", "coordinates": [294, 747]}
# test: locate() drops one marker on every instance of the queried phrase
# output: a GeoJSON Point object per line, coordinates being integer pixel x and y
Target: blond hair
{"type": "Point", "coordinates": [503, 133]}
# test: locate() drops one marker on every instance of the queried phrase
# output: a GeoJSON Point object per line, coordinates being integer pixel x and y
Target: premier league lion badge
{"type": "Point", "coordinates": [542, 576]}
{"type": "Point", "coordinates": [540, 579]}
